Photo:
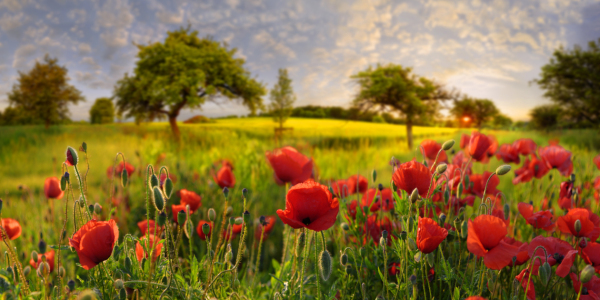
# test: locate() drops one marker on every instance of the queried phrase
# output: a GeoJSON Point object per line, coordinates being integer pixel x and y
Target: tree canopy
{"type": "Point", "coordinates": [572, 79]}
{"type": "Point", "coordinates": [477, 111]}
{"type": "Point", "coordinates": [102, 112]}
{"type": "Point", "coordinates": [184, 71]}
{"type": "Point", "coordinates": [395, 88]}
{"type": "Point", "coordinates": [42, 95]}
{"type": "Point", "coordinates": [282, 98]}
{"type": "Point", "coordinates": [546, 116]}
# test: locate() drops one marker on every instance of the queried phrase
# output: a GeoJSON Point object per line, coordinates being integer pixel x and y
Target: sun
{"type": "Point", "coordinates": [466, 119]}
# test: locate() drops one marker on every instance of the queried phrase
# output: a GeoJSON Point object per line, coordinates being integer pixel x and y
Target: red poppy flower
{"type": "Point", "coordinates": [201, 233]}
{"type": "Point", "coordinates": [539, 220]}
{"type": "Point", "coordinates": [525, 146]}
{"type": "Point", "coordinates": [290, 165]}
{"type": "Point", "coordinates": [526, 283]}
{"type": "Point", "coordinates": [385, 196]}
{"type": "Point", "coordinates": [499, 212]}
{"type": "Point", "coordinates": [590, 223]}
{"type": "Point", "coordinates": [226, 163]}
{"type": "Point", "coordinates": [143, 226]}
{"type": "Point", "coordinates": [429, 235]}
{"type": "Point", "coordinates": [430, 149]}
{"type": "Point", "coordinates": [486, 239]}
{"type": "Point", "coordinates": [559, 253]}
{"type": "Point", "coordinates": [558, 158]}
{"type": "Point", "coordinates": [357, 184]}
{"type": "Point", "coordinates": [592, 287]}
{"type": "Point", "coordinates": [153, 242]}
{"type": "Point", "coordinates": [176, 208]}
{"type": "Point", "coordinates": [522, 174]}
{"type": "Point", "coordinates": [522, 255]}
{"type": "Point", "coordinates": [352, 209]}
{"type": "Point", "coordinates": [52, 188]}
{"type": "Point", "coordinates": [597, 161]}
{"type": "Point", "coordinates": [479, 181]}
{"type": "Point", "coordinates": [464, 141]}
{"type": "Point", "coordinates": [395, 269]}
{"type": "Point", "coordinates": [565, 199]}
{"type": "Point", "coordinates": [461, 159]}
{"type": "Point", "coordinates": [375, 228]}
{"type": "Point", "coordinates": [190, 198]}
{"type": "Point", "coordinates": [451, 176]}
{"type": "Point", "coordinates": [94, 242]}
{"type": "Point", "coordinates": [119, 169]}
{"type": "Point", "coordinates": [475, 298]}
{"type": "Point", "coordinates": [49, 258]}
{"type": "Point", "coordinates": [493, 145]}
{"type": "Point", "coordinates": [478, 146]}
{"type": "Point", "coordinates": [508, 154]}
{"type": "Point", "coordinates": [270, 220]}
{"type": "Point", "coordinates": [411, 175]}
{"type": "Point", "coordinates": [311, 205]}
{"type": "Point", "coordinates": [237, 229]}
{"type": "Point", "coordinates": [12, 228]}
{"type": "Point", "coordinates": [225, 177]}
{"type": "Point", "coordinates": [591, 255]}
{"type": "Point", "coordinates": [340, 188]}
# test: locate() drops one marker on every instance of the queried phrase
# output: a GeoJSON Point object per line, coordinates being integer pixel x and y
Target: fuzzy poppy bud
{"type": "Point", "coordinates": [586, 274]}
{"type": "Point", "coordinates": [503, 169]}
{"type": "Point", "coordinates": [226, 192]}
{"type": "Point", "coordinates": [211, 214]}
{"type": "Point", "coordinates": [403, 235]}
{"type": "Point", "coordinates": [464, 228]}
{"type": "Point", "coordinates": [467, 180]}
{"type": "Point", "coordinates": [42, 246]}
{"type": "Point", "coordinates": [162, 219]}
{"type": "Point", "coordinates": [440, 169]}
{"type": "Point", "coordinates": [181, 217]}
{"type": "Point", "coordinates": [325, 265]}
{"type": "Point", "coordinates": [63, 181]}
{"type": "Point", "coordinates": [205, 229]}
{"type": "Point", "coordinates": [229, 210]}
{"type": "Point", "coordinates": [414, 196]}
{"type": "Point", "coordinates": [34, 256]}
{"type": "Point", "coordinates": [345, 226]}
{"type": "Point", "coordinates": [122, 294]}
{"type": "Point", "coordinates": [245, 193]}
{"type": "Point", "coordinates": [374, 175]}
{"type": "Point", "coordinates": [506, 211]}
{"type": "Point", "coordinates": [238, 221]}
{"type": "Point", "coordinates": [246, 217]}
{"type": "Point", "coordinates": [446, 196]}
{"type": "Point", "coordinates": [343, 259]}
{"type": "Point", "coordinates": [26, 271]}
{"type": "Point", "coordinates": [300, 244]}
{"type": "Point", "coordinates": [168, 188]}
{"type": "Point", "coordinates": [412, 246]}
{"type": "Point", "coordinates": [71, 285]}
{"type": "Point", "coordinates": [118, 284]}
{"type": "Point", "coordinates": [442, 218]}
{"type": "Point", "coordinates": [459, 190]}
{"type": "Point", "coordinates": [84, 147]}
{"type": "Point", "coordinates": [447, 145]}
{"type": "Point", "coordinates": [153, 181]}
{"type": "Point", "coordinates": [97, 208]}
{"type": "Point", "coordinates": [72, 157]}
{"type": "Point", "coordinates": [228, 256]}
{"type": "Point", "coordinates": [577, 226]}
{"type": "Point", "coordinates": [545, 272]}
{"type": "Point", "coordinates": [61, 271]}
{"type": "Point", "coordinates": [262, 220]}
{"type": "Point", "coordinates": [159, 200]}
{"type": "Point", "coordinates": [124, 177]}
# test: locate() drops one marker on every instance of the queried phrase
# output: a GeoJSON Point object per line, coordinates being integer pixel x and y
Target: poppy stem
{"type": "Point", "coordinates": [304, 259]}
{"type": "Point", "coordinates": [317, 267]}
{"type": "Point", "coordinates": [81, 190]}
{"type": "Point", "coordinates": [257, 264]}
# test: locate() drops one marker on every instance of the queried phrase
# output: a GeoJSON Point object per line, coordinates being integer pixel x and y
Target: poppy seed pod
{"type": "Point", "coordinates": [238, 221]}
{"type": "Point", "coordinates": [91, 208]}
{"type": "Point", "coordinates": [503, 169]}
{"type": "Point", "coordinates": [441, 168]}
{"type": "Point", "coordinates": [168, 188]}
{"type": "Point", "coordinates": [153, 181]}
{"type": "Point", "coordinates": [226, 192]}
{"type": "Point", "coordinates": [403, 235]}
{"type": "Point", "coordinates": [380, 187]}
{"type": "Point", "coordinates": [448, 145]}
{"type": "Point", "coordinates": [374, 175]}
{"type": "Point", "coordinates": [63, 181]}
{"type": "Point", "coordinates": [72, 157]}
{"type": "Point", "coordinates": [71, 285]}
{"type": "Point", "coordinates": [206, 228]}
{"type": "Point", "coordinates": [246, 217]}
{"type": "Point", "coordinates": [300, 244]}
{"type": "Point", "coordinates": [97, 208]}
{"type": "Point", "coordinates": [384, 234]}
{"type": "Point", "coordinates": [211, 214]}
{"type": "Point", "coordinates": [382, 242]}
{"type": "Point", "coordinates": [26, 271]}
{"type": "Point", "coordinates": [586, 274]}
{"type": "Point", "coordinates": [572, 178]}
{"type": "Point", "coordinates": [42, 246]}
{"type": "Point", "coordinates": [181, 217]}
{"type": "Point", "coordinates": [159, 200]}
{"type": "Point", "coordinates": [345, 226]}
{"type": "Point", "coordinates": [124, 178]}
{"type": "Point", "coordinates": [162, 219]}
{"type": "Point", "coordinates": [231, 220]}
{"type": "Point", "coordinates": [34, 256]}
{"type": "Point", "coordinates": [245, 193]}
{"type": "Point", "coordinates": [325, 265]}
{"type": "Point", "coordinates": [414, 196]}
{"type": "Point", "coordinates": [229, 210]}
{"type": "Point", "coordinates": [442, 218]}
{"type": "Point", "coordinates": [577, 226]}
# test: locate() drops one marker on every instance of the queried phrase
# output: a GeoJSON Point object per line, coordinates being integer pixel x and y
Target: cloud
{"type": "Point", "coordinates": [168, 17]}
{"type": "Point", "coordinates": [84, 48]}
{"type": "Point", "coordinates": [22, 54]}
{"type": "Point", "coordinates": [12, 23]}
{"type": "Point", "coordinates": [266, 40]}
{"type": "Point", "coordinates": [78, 15]}
{"type": "Point", "coordinates": [91, 62]}
{"type": "Point", "coordinates": [14, 5]}
{"type": "Point", "coordinates": [115, 19]}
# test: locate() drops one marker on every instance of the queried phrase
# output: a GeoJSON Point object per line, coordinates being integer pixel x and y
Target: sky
{"type": "Point", "coordinates": [485, 49]}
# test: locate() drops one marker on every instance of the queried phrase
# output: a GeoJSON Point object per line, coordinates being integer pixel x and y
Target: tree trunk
{"type": "Point", "coordinates": [409, 136]}
{"type": "Point", "coordinates": [174, 127]}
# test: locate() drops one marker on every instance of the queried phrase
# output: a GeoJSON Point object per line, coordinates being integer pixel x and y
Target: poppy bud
{"type": "Point", "coordinates": [211, 214]}
{"type": "Point", "coordinates": [162, 219]}
{"type": "Point", "coordinates": [345, 226]}
{"type": "Point", "coordinates": [91, 208]}
{"type": "Point", "coordinates": [363, 288]}
{"type": "Point", "coordinates": [459, 190]}
{"type": "Point", "coordinates": [168, 188]}
{"type": "Point", "coordinates": [430, 259]}
{"type": "Point", "coordinates": [380, 187]}
{"type": "Point", "coordinates": [238, 221]}
{"type": "Point", "coordinates": [413, 279]}
{"type": "Point", "coordinates": [414, 196]}
{"type": "Point", "coordinates": [300, 244]}
{"type": "Point", "coordinates": [124, 178]}
{"type": "Point", "coordinates": [84, 147]}
{"type": "Point", "coordinates": [577, 226]}
{"type": "Point", "coordinates": [447, 145]}
{"type": "Point", "coordinates": [205, 228]}
{"type": "Point", "coordinates": [228, 256]}
{"type": "Point", "coordinates": [325, 265]}
{"type": "Point", "coordinates": [159, 200]}
{"type": "Point", "coordinates": [441, 168]}
{"type": "Point", "coordinates": [572, 178]}
{"type": "Point", "coordinates": [503, 169]}
{"type": "Point", "coordinates": [34, 256]}
{"type": "Point", "coordinates": [61, 271]}
{"type": "Point", "coordinates": [374, 175]}
{"type": "Point", "coordinates": [71, 285]}
{"type": "Point", "coordinates": [245, 193]}
{"type": "Point", "coordinates": [545, 272]}
{"type": "Point", "coordinates": [446, 196]}
{"type": "Point", "coordinates": [506, 211]}
{"type": "Point", "coordinates": [122, 294]}
{"type": "Point", "coordinates": [231, 220]}
{"type": "Point", "coordinates": [464, 227]}
{"type": "Point", "coordinates": [246, 217]}
{"type": "Point", "coordinates": [442, 218]}
{"type": "Point", "coordinates": [229, 210]}
{"type": "Point", "coordinates": [153, 181]}
{"type": "Point", "coordinates": [225, 192]}
{"type": "Point", "coordinates": [181, 217]}
{"type": "Point", "coordinates": [586, 274]}
{"type": "Point", "coordinates": [403, 235]}
{"type": "Point", "coordinates": [26, 271]}
{"type": "Point", "coordinates": [467, 180]}
{"type": "Point", "coordinates": [72, 156]}
{"type": "Point", "coordinates": [343, 259]}
{"type": "Point", "coordinates": [412, 246]}
{"type": "Point", "coordinates": [42, 246]}
{"type": "Point", "coordinates": [97, 208]}
{"type": "Point", "coordinates": [63, 181]}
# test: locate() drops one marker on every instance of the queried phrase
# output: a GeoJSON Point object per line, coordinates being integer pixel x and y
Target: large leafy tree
{"type": "Point", "coordinates": [477, 111]}
{"type": "Point", "coordinates": [184, 71]}
{"type": "Point", "coordinates": [395, 88]}
{"type": "Point", "coordinates": [102, 112]}
{"type": "Point", "coordinates": [282, 98]}
{"type": "Point", "coordinates": [546, 117]}
{"type": "Point", "coordinates": [43, 94]}
{"type": "Point", "coordinates": [572, 79]}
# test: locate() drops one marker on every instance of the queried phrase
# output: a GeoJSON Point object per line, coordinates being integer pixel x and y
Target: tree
{"type": "Point", "coordinates": [546, 116]}
{"type": "Point", "coordinates": [394, 87]}
{"type": "Point", "coordinates": [184, 71]}
{"type": "Point", "coordinates": [102, 112]}
{"type": "Point", "coordinates": [282, 98]}
{"type": "Point", "coordinates": [572, 80]}
{"type": "Point", "coordinates": [502, 121]}
{"type": "Point", "coordinates": [477, 111]}
{"type": "Point", "coordinates": [43, 94]}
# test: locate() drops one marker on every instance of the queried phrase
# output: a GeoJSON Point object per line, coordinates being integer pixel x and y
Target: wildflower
{"type": "Point", "coordinates": [525, 146]}
{"type": "Point", "coordinates": [225, 177]}
{"type": "Point", "coordinates": [12, 228]}
{"type": "Point", "coordinates": [526, 283]}
{"type": "Point", "coordinates": [201, 232]}
{"type": "Point", "coordinates": [290, 165]}
{"type": "Point", "coordinates": [385, 196]}
{"type": "Point", "coordinates": [590, 223]}
{"type": "Point", "coordinates": [508, 154]}
{"type": "Point", "coordinates": [94, 242]}
{"type": "Point", "coordinates": [149, 241]}
{"type": "Point", "coordinates": [309, 205]}
{"type": "Point", "coordinates": [486, 239]}
{"type": "Point", "coordinates": [559, 253]}
{"type": "Point", "coordinates": [411, 175]}
{"type": "Point", "coordinates": [269, 224]}
{"type": "Point", "coordinates": [429, 235]}
{"type": "Point", "coordinates": [539, 220]}
{"type": "Point", "coordinates": [119, 169]}
{"type": "Point", "coordinates": [556, 157]}
{"type": "Point", "coordinates": [52, 188]}
{"type": "Point", "coordinates": [143, 226]}
{"type": "Point", "coordinates": [357, 184]}
{"type": "Point", "coordinates": [591, 255]}
{"type": "Point", "coordinates": [190, 198]}
{"type": "Point", "coordinates": [478, 146]}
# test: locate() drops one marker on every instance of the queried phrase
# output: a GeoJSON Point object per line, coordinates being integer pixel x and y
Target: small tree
{"type": "Point", "coordinates": [43, 94]}
{"type": "Point", "coordinates": [282, 98]}
{"type": "Point", "coordinates": [479, 111]}
{"type": "Point", "coordinates": [502, 121]}
{"type": "Point", "coordinates": [102, 112]}
{"type": "Point", "coordinates": [396, 88]}
{"type": "Point", "coordinates": [546, 117]}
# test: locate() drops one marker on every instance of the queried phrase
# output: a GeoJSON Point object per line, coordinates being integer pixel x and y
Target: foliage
{"type": "Point", "coordinates": [282, 98]}
{"type": "Point", "coordinates": [501, 121]}
{"type": "Point", "coordinates": [479, 111]}
{"type": "Point", "coordinates": [184, 71]}
{"type": "Point", "coordinates": [102, 112]}
{"type": "Point", "coordinates": [572, 80]}
{"type": "Point", "coordinates": [42, 95]}
{"type": "Point", "coordinates": [546, 116]}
